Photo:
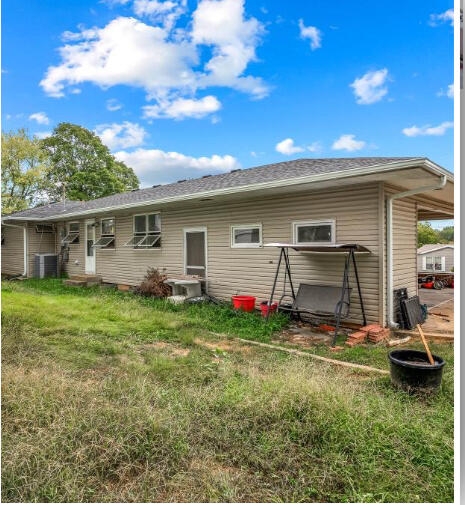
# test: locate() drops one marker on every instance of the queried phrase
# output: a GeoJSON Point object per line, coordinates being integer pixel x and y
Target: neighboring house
{"type": "Point", "coordinates": [436, 258]}
{"type": "Point", "coordinates": [217, 226]}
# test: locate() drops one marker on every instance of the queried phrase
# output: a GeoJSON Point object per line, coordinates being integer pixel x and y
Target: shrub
{"type": "Point", "coordinates": [154, 284]}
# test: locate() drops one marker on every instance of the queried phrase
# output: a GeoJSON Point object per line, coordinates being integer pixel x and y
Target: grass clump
{"type": "Point", "coordinates": [119, 414]}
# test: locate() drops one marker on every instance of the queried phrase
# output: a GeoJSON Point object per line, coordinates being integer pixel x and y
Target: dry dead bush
{"type": "Point", "coordinates": [154, 284]}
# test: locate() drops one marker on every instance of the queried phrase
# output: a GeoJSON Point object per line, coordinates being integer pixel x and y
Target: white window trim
{"type": "Point", "coordinates": [137, 248]}
{"type": "Point", "coordinates": [314, 222]}
{"type": "Point", "coordinates": [68, 232]}
{"type": "Point", "coordinates": [426, 262]}
{"type": "Point", "coordinates": [235, 227]}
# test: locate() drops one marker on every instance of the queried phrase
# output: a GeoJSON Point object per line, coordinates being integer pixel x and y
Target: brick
{"type": "Point", "coordinates": [358, 335]}
{"type": "Point", "coordinates": [326, 327]}
{"type": "Point", "coordinates": [371, 327]}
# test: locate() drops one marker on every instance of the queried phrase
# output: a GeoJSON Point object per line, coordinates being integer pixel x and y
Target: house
{"type": "Point", "coordinates": [435, 258]}
{"type": "Point", "coordinates": [216, 227]}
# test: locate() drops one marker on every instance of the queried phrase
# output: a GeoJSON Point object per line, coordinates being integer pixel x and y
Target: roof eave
{"type": "Point", "coordinates": [344, 174]}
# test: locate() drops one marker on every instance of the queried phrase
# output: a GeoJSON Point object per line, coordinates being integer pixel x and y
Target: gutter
{"type": "Point", "coordinates": [389, 241]}
{"type": "Point", "coordinates": [355, 172]}
{"type": "Point", "coordinates": [24, 228]}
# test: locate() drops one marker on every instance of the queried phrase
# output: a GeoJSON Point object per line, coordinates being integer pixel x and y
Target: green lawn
{"type": "Point", "coordinates": [107, 396]}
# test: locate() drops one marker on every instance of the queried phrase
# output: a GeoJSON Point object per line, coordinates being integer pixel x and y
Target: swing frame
{"type": "Point", "coordinates": [348, 250]}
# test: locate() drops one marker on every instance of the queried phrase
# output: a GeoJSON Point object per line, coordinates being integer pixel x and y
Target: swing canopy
{"type": "Point", "coordinates": [324, 248]}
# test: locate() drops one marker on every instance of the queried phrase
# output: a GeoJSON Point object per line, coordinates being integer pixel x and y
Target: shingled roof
{"type": "Point", "coordinates": [234, 179]}
{"type": "Point", "coordinates": [433, 247]}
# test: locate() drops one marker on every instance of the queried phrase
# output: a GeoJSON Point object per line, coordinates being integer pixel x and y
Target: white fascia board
{"type": "Point", "coordinates": [345, 174]}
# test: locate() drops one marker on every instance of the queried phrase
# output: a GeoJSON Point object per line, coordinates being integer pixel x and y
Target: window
{"type": "Point", "coordinates": [146, 232]}
{"type": "Point", "coordinates": [44, 228]}
{"type": "Point", "coordinates": [434, 263]}
{"type": "Point", "coordinates": [72, 237]}
{"type": "Point", "coordinates": [107, 234]}
{"type": "Point", "coordinates": [315, 232]}
{"type": "Point", "coordinates": [429, 263]}
{"type": "Point", "coordinates": [247, 235]}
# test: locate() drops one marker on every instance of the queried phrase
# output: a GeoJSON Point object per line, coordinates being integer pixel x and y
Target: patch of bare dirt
{"type": "Point", "coordinates": [172, 349]}
{"type": "Point", "coordinates": [224, 345]}
{"type": "Point", "coordinates": [304, 335]}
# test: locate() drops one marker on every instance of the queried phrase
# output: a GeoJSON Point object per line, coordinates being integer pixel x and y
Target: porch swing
{"type": "Point", "coordinates": [320, 301]}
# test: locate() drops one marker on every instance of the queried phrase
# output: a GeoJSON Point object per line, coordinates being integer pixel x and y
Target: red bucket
{"type": "Point", "coordinates": [265, 309]}
{"type": "Point", "coordinates": [245, 303]}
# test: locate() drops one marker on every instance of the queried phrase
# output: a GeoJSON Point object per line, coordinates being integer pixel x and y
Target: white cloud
{"type": "Point", "coordinates": [347, 142]}
{"type": "Point", "coordinates": [40, 118]}
{"type": "Point", "coordinates": [165, 13]}
{"type": "Point", "coordinates": [126, 51]}
{"type": "Point", "coordinates": [156, 166]}
{"type": "Point", "coordinates": [370, 88]}
{"type": "Point", "coordinates": [315, 147]}
{"type": "Point", "coordinates": [42, 135]}
{"type": "Point", "coordinates": [169, 63]}
{"type": "Point", "coordinates": [312, 33]}
{"type": "Point", "coordinates": [449, 92]}
{"type": "Point", "coordinates": [183, 108]}
{"type": "Point", "coordinates": [287, 147]}
{"type": "Point", "coordinates": [113, 105]}
{"type": "Point", "coordinates": [222, 25]}
{"type": "Point", "coordinates": [444, 17]}
{"type": "Point", "coordinates": [75, 91]}
{"type": "Point", "coordinates": [121, 136]}
{"type": "Point", "coordinates": [416, 131]}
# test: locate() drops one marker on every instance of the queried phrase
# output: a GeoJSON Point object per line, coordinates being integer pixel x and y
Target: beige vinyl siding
{"type": "Point", "coordinates": [13, 251]}
{"type": "Point", "coordinates": [448, 254]}
{"type": "Point", "coordinates": [76, 263]}
{"type": "Point", "coordinates": [38, 243]}
{"type": "Point", "coordinates": [405, 245]}
{"type": "Point", "coordinates": [251, 271]}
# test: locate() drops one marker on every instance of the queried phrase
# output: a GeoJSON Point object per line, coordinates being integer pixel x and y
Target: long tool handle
{"type": "Point", "coordinates": [423, 339]}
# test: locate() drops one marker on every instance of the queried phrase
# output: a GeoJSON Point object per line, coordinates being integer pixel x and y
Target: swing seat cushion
{"type": "Point", "coordinates": [322, 300]}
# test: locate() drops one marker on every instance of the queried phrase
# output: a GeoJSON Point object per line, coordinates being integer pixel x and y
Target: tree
{"type": "Point", "coordinates": [447, 234]}
{"type": "Point", "coordinates": [427, 234]}
{"type": "Point", "coordinates": [84, 165]}
{"type": "Point", "coordinates": [24, 168]}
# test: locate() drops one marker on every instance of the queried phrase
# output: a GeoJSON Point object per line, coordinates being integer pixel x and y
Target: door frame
{"type": "Point", "coordinates": [202, 229]}
{"type": "Point", "coordinates": [86, 270]}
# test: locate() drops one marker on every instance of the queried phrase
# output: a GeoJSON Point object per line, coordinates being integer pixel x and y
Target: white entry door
{"type": "Point", "coordinates": [195, 252]}
{"type": "Point", "coordinates": [89, 249]}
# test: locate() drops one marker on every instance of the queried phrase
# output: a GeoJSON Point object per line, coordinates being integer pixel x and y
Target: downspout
{"type": "Point", "coordinates": [389, 242]}
{"type": "Point", "coordinates": [24, 228]}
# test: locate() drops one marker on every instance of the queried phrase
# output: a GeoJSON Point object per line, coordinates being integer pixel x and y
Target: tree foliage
{"type": "Point", "coordinates": [447, 234]}
{"type": "Point", "coordinates": [24, 169]}
{"type": "Point", "coordinates": [80, 161]}
{"type": "Point", "coordinates": [427, 234]}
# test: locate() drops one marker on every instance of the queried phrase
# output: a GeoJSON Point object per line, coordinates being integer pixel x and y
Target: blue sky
{"type": "Point", "coordinates": [182, 88]}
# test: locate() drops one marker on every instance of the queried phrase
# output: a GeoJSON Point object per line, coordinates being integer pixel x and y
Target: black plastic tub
{"type": "Point", "coordinates": [411, 371]}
